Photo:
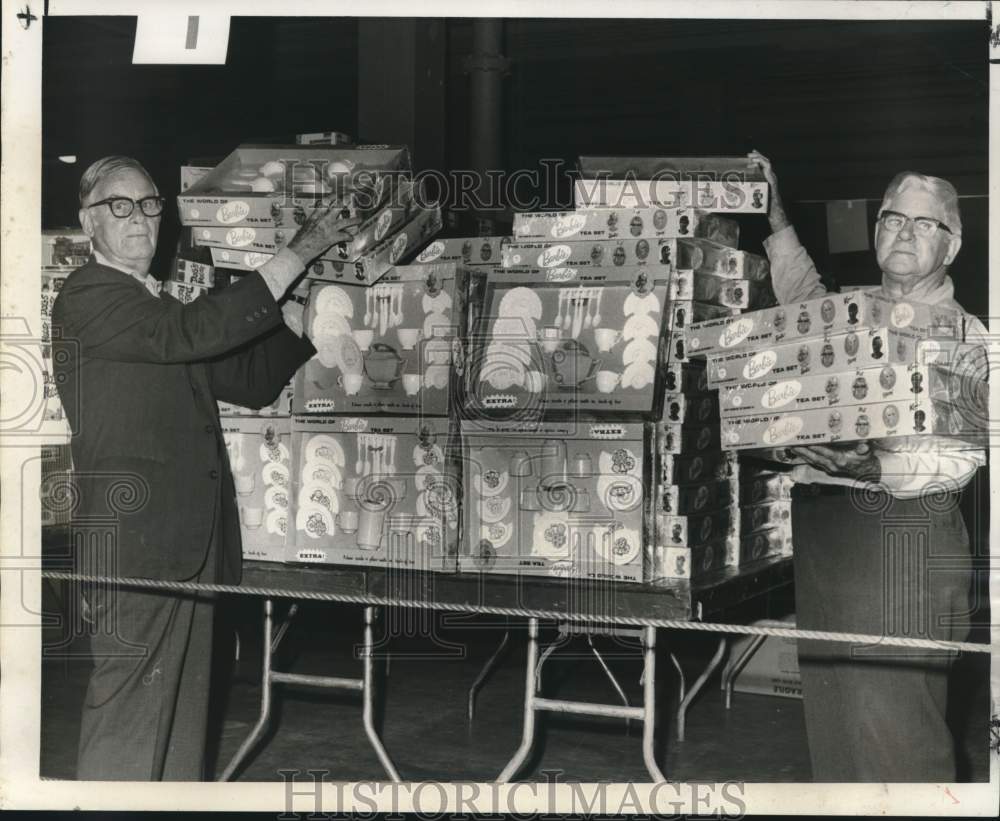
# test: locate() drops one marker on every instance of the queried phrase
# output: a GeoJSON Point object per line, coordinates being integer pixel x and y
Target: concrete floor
{"type": "Point", "coordinates": [423, 710]}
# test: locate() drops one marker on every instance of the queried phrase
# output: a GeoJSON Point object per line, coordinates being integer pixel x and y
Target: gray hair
{"type": "Point", "coordinates": [105, 167]}
{"type": "Point", "coordinates": [942, 190]}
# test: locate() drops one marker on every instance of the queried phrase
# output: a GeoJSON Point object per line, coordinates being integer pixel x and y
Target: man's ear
{"type": "Point", "coordinates": [86, 223]}
{"type": "Point", "coordinates": [954, 245]}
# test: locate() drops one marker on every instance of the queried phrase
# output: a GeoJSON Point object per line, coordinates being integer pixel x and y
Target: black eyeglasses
{"type": "Point", "coordinates": [922, 226]}
{"type": "Point", "coordinates": [122, 207]}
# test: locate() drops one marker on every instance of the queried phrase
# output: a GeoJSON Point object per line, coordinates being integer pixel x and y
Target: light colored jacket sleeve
{"type": "Point", "coordinates": [793, 273]}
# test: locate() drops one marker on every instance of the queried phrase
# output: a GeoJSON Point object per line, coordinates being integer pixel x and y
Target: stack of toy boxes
{"type": "Point", "coordinates": [840, 368]}
{"type": "Point", "coordinates": [63, 251]}
{"type": "Point", "coordinates": [251, 204]}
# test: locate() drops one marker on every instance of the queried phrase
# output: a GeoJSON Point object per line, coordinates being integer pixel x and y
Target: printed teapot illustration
{"type": "Point", "coordinates": [383, 365]}
{"type": "Point", "coordinates": [572, 364]}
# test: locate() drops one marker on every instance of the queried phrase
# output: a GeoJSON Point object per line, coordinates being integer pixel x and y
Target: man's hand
{"type": "Point", "coordinates": [324, 227]}
{"type": "Point", "coordinates": [852, 460]}
{"type": "Point", "coordinates": [294, 314]}
{"type": "Point", "coordinates": [776, 215]}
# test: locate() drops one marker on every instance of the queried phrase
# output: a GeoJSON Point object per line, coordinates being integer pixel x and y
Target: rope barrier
{"type": "Point", "coordinates": [555, 615]}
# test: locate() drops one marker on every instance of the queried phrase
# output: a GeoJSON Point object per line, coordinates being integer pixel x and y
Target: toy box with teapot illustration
{"type": "Point", "coordinates": [260, 453]}
{"type": "Point", "coordinates": [623, 223]}
{"type": "Point", "coordinates": [377, 491]}
{"type": "Point", "coordinates": [395, 347]}
{"type": "Point", "coordinates": [590, 343]}
{"type": "Point", "coordinates": [276, 185]}
{"type": "Point", "coordinates": [555, 498]}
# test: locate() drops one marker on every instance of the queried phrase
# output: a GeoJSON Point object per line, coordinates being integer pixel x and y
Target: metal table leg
{"type": "Point", "coordinates": [271, 677]}
{"type": "Point", "coordinates": [611, 678]}
{"type": "Point", "coordinates": [686, 699]}
{"type": "Point", "coordinates": [649, 703]}
{"type": "Point", "coordinates": [484, 673]}
{"type": "Point", "coordinates": [528, 726]}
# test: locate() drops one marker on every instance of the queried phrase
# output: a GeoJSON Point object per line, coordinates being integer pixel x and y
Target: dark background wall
{"type": "Point", "coordinates": [839, 106]}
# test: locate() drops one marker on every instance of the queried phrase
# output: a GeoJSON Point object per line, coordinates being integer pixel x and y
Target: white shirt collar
{"type": "Point", "coordinates": [151, 283]}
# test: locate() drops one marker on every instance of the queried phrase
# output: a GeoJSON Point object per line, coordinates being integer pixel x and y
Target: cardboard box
{"type": "Point", "coordinates": [951, 383]}
{"type": "Point", "coordinates": [757, 487]}
{"type": "Point", "coordinates": [690, 530]}
{"type": "Point", "coordinates": [765, 515]}
{"type": "Point", "coordinates": [690, 563]}
{"type": "Point", "coordinates": [381, 492]}
{"type": "Point", "coordinates": [227, 195]}
{"type": "Point", "coordinates": [541, 256]}
{"type": "Point", "coordinates": [703, 256]}
{"type": "Point", "coordinates": [687, 500]}
{"type": "Point", "coordinates": [851, 423]}
{"type": "Point", "coordinates": [728, 197]}
{"type": "Point", "coordinates": [854, 310]}
{"type": "Point", "coordinates": [589, 344]}
{"type": "Point", "coordinates": [466, 250]}
{"type": "Point", "coordinates": [368, 268]}
{"type": "Point", "coordinates": [191, 174]}
{"type": "Point", "coordinates": [323, 138]}
{"type": "Point", "coordinates": [623, 223]}
{"type": "Point", "coordinates": [52, 282]}
{"type": "Point", "coordinates": [685, 377]}
{"type": "Point", "coordinates": [281, 406]}
{"type": "Point", "coordinates": [382, 224]}
{"type": "Point", "coordinates": [691, 408]}
{"type": "Point", "coordinates": [395, 347]}
{"type": "Point", "coordinates": [825, 355]}
{"type": "Point", "coordinates": [182, 291]}
{"type": "Point", "coordinates": [731, 293]}
{"type": "Point", "coordinates": [684, 312]}
{"type": "Point", "coordinates": [764, 544]}
{"type": "Point", "coordinates": [556, 498]}
{"type": "Point", "coordinates": [771, 671]}
{"type": "Point", "coordinates": [680, 438]}
{"type": "Point", "coordinates": [691, 468]}
{"type": "Point", "coordinates": [193, 273]}
{"type": "Point", "coordinates": [681, 168]}
{"type": "Point", "coordinates": [65, 248]}
{"type": "Point", "coordinates": [260, 453]}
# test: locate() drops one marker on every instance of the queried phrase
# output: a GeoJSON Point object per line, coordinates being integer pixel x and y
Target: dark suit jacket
{"type": "Point", "coordinates": [139, 378]}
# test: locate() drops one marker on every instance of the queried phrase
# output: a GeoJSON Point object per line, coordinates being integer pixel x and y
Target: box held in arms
{"type": "Point", "coordinates": [536, 257]}
{"type": "Point", "coordinates": [368, 268]}
{"type": "Point", "coordinates": [835, 353]}
{"type": "Point", "coordinates": [65, 248]}
{"type": "Point", "coordinates": [379, 491]}
{"type": "Point", "coordinates": [193, 273]}
{"type": "Point", "coordinates": [556, 498]}
{"type": "Point", "coordinates": [182, 291]}
{"type": "Point", "coordinates": [396, 212]}
{"type": "Point", "coordinates": [856, 310]}
{"type": "Point", "coordinates": [851, 423]}
{"type": "Point", "coordinates": [624, 223]}
{"type": "Point", "coordinates": [591, 343]}
{"type": "Point", "coordinates": [260, 453]}
{"type": "Point", "coordinates": [271, 185]}
{"type": "Point", "coordinates": [465, 250]}
{"type": "Point", "coordinates": [734, 197]}
{"type": "Point", "coordinates": [957, 382]}
{"type": "Point", "coordinates": [395, 347]}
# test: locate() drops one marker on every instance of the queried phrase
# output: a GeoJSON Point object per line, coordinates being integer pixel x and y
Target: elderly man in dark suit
{"type": "Point", "coordinates": [156, 498]}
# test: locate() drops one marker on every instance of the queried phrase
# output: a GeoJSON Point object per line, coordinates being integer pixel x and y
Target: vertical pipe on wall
{"type": "Point", "coordinates": [486, 67]}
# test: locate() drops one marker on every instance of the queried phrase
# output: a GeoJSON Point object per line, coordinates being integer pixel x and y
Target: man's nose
{"type": "Point", "coordinates": [906, 232]}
